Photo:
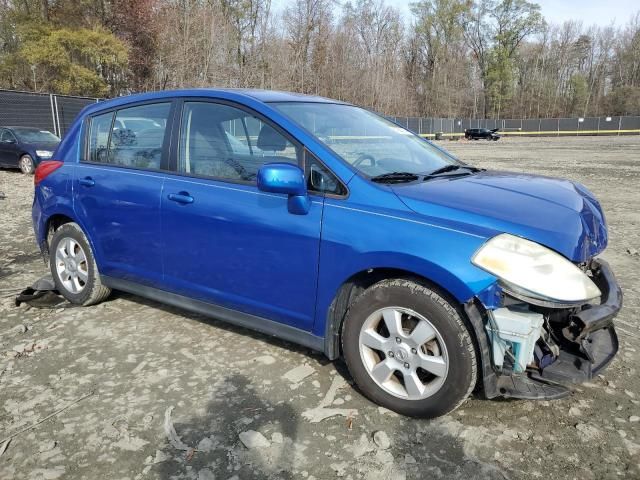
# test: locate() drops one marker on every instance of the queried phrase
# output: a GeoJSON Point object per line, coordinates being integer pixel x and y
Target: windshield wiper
{"type": "Point", "coordinates": [452, 168]}
{"type": "Point", "coordinates": [445, 169]}
{"type": "Point", "coordinates": [395, 177]}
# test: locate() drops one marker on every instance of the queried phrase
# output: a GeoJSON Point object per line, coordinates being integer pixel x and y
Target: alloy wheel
{"type": "Point", "coordinates": [26, 164]}
{"type": "Point", "coordinates": [403, 353]}
{"type": "Point", "coordinates": [72, 267]}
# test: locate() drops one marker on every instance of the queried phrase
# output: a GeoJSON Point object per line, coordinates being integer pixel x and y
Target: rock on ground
{"type": "Point", "coordinates": [253, 439]}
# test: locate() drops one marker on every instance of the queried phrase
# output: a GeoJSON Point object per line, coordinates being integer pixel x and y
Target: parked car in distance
{"type": "Point", "coordinates": [25, 147]}
{"type": "Point", "coordinates": [325, 224]}
{"type": "Point", "coordinates": [481, 133]}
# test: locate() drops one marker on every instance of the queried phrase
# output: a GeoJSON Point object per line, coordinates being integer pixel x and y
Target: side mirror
{"type": "Point", "coordinates": [289, 179]}
{"type": "Point", "coordinates": [9, 140]}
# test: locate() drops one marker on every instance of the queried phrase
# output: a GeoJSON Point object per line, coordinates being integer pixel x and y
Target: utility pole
{"type": "Point", "coordinates": [35, 86]}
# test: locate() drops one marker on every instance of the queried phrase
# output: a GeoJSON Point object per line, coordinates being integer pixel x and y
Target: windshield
{"type": "Point", "coordinates": [31, 135]}
{"type": "Point", "coordinates": [370, 143]}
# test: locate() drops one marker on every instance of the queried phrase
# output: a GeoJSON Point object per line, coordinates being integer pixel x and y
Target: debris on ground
{"type": "Point", "coordinates": [299, 373]}
{"type": "Point", "coordinates": [57, 412]}
{"type": "Point", "coordinates": [41, 294]}
{"type": "Point", "coordinates": [4, 446]}
{"type": "Point", "coordinates": [175, 441]}
{"type": "Point", "coordinates": [160, 457]}
{"type": "Point", "coordinates": [252, 439]}
{"type": "Point", "coordinates": [206, 445]}
{"type": "Point", "coordinates": [322, 411]}
{"type": "Point", "coordinates": [381, 439]}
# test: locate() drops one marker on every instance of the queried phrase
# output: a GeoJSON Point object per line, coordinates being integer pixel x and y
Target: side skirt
{"type": "Point", "coordinates": [252, 322]}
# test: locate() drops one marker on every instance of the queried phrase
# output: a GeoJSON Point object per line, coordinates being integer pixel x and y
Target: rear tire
{"type": "Point", "coordinates": [74, 268]}
{"type": "Point", "coordinates": [395, 366]}
{"type": "Point", "coordinates": [26, 165]}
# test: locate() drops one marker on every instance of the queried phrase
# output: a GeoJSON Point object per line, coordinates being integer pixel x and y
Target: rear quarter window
{"type": "Point", "coordinates": [99, 127]}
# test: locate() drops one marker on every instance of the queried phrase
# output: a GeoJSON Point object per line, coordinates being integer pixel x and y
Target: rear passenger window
{"type": "Point", "coordinates": [133, 139]}
{"type": "Point", "coordinates": [138, 135]}
{"type": "Point", "coordinates": [224, 142]}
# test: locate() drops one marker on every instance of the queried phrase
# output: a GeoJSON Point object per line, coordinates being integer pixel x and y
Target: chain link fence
{"type": "Point", "coordinates": [57, 112]}
{"type": "Point", "coordinates": [54, 113]}
{"type": "Point", "coordinates": [452, 127]}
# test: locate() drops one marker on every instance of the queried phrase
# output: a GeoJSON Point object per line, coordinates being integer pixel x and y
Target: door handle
{"type": "Point", "coordinates": [182, 197]}
{"type": "Point", "coordinates": [87, 181]}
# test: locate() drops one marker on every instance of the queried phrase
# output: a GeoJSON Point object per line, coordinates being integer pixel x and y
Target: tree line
{"type": "Point", "coordinates": [451, 58]}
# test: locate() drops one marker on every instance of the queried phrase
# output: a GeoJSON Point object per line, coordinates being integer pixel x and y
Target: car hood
{"type": "Point", "coordinates": [559, 214]}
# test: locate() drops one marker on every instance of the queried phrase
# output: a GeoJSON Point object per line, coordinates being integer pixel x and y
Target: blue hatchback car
{"type": "Point", "coordinates": [324, 224]}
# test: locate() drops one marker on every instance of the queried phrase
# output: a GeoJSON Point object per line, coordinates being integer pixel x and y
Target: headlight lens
{"type": "Point", "coordinates": [44, 153]}
{"type": "Point", "coordinates": [534, 270]}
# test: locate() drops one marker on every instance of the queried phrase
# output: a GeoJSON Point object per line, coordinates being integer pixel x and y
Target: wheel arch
{"type": "Point", "coordinates": [53, 222]}
{"type": "Point", "coordinates": [56, 220]}
{"type": "Point", "coordinates": [359, 282]}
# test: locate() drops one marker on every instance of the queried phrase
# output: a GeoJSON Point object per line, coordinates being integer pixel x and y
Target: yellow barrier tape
{"type": "Point", "coordinates": [571, 132]}
{"type": "Point", "coordinates": [550, 132]}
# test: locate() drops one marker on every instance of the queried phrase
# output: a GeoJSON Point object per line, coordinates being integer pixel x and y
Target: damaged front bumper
{"type": "Point", "coordinates": [584, 342]}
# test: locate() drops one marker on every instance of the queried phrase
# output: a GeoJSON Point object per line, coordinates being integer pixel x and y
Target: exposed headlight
{"type": "Point", "coordinates": [44, 153]}
{"type": "Point", "coordinates": [534, 271]}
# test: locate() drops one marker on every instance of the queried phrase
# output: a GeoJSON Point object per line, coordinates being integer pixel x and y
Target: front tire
{"type": "Point", "coordinates": [26, 165]}
{"type": "Point", "coordinates": [74, 268]}
{"type": "Point", "coordinates": [408, 349]}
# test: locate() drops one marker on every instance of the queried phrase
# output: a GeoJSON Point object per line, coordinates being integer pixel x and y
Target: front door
{"type": "Point", "coordinates": [117, 190]}
{"type": "Point", "coordinates": [226, 242]}
{"type": "Point", "coordinates": [8, 149]}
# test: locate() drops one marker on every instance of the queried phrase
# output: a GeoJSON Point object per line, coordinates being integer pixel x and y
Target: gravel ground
{"type": "Point", "coordinates": [133, 389]}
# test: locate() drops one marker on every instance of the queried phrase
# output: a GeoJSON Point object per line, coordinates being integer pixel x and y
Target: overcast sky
{"type": "Point", "coordinates": [600, 12]}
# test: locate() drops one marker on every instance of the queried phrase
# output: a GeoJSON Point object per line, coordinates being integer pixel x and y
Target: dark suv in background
{"type": "Point", "coordinates": [481, 133]}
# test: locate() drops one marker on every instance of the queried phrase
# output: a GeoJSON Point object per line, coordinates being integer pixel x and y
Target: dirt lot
{"type": "Point", "coordinates": [129, 388]}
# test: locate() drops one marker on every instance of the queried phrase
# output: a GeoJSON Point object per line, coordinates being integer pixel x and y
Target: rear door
{"type": "Point", "coordinates": [117, 190]}
{"type": "Point", "coordinates": [226, 242]}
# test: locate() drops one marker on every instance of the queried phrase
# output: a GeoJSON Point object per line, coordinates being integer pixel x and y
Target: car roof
{"type": "Point", "coordinates": [281, 96]}
{"type": "Point", "coordinates": [238, 94]}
